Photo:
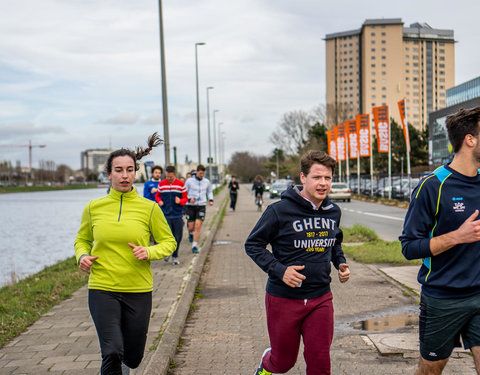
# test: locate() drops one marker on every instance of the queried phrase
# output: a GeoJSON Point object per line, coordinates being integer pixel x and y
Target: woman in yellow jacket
{"type": "Point", "coordinates": [112, 244]}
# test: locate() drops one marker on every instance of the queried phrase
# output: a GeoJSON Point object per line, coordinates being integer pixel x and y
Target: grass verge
{"type": "Point", "coordinates": [359, 233]}
{"type": "Point", "coordinates": [27, 189]}
{"type": "Point", "coordinates": [23, 303]}
{"type": "Point", "coordinates": [372, 249]}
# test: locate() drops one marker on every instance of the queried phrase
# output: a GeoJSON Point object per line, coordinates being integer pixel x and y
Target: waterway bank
{"type": "Point", "coordinates": [30, 189]}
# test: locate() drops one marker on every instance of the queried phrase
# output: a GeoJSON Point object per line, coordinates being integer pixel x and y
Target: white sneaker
{"type": "Point", "coordinates": [175, 261]}
{"type": "Point", "coordinates": [125, 369]}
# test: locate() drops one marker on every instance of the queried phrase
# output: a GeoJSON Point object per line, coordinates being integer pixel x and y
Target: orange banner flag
{"type": "Point", "coordinates": [340, 137]}
{"type": "Point", "coordinates": [382, 127]}
{"type": "Point", "coordinates": [352, 134]}
{"type": "Point", "coordinates": [403, 116]}
{"type": "Point", "coordinates": [332, 144]}
{"type": "Point", "coordinates": [363, 129]}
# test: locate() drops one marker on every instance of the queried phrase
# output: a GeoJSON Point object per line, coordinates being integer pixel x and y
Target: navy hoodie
{"type": "Point", "coordinates": [299, 235]}
{"type": "Point", "coordinates": [440, 204]}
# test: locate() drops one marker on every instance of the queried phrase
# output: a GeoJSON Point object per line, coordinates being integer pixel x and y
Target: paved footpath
{"type": "Point", "coordinates": [226, 334]}
{"type": "Point", "coordinates": [64, 340]}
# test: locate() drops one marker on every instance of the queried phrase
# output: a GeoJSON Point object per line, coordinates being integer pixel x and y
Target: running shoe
{"type": "Point", "coordinates": [260, 369]}
{"type": "Point", "coordinates": [125, 369]}
{"type": "Point", "coordinates": [190, 237]}
{"type": "Point", "coordinates": [166, 259]}
{"type": "Point", "coordinates": [195, 250]}
{"type": "Point", "coordinates": [175, 261]}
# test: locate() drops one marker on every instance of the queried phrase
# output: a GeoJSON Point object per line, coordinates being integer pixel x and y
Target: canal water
{"type": "Point", "coordinates": [38, 229]}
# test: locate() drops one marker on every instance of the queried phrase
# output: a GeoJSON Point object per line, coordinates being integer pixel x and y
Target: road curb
{"type": "Point", "coordinates": [159, 362]}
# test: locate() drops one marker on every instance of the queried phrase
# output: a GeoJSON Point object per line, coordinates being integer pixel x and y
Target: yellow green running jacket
{"type": "Point", "coordinates": [108, 225]}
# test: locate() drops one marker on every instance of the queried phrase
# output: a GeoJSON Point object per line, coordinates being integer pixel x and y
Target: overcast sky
{"type": "Point", "coordinates": [78, 74]}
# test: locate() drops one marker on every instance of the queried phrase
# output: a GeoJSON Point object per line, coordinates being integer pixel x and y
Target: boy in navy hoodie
{"type": "Point", "coordinates": [442, 227]}
{"type": "Point", "coordinates": [303, 231]}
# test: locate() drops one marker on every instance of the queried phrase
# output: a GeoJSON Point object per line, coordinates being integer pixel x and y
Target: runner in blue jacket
{"type": "Point", "coordinates": [442, 227]}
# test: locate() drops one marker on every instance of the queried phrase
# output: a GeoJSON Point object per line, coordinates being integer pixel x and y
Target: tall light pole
{"type": "Point", "coordinates": [209, 142]}
{"type": "Point", "coordinates": [214, 111]}
{"type": "Point", "coordinates": [222, 135]}
{"type": "Point", "coordinates": [166, 135]}
{"type": "Point", "coordinates": [198, 103]}
{"type": "Point", "coordinates": [216, 140]}
{"type": "Point", "coordinates": [220, 143]}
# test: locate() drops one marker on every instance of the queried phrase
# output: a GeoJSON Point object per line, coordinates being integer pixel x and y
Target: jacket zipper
{"type": "Point", "coordinates": [120, 212]}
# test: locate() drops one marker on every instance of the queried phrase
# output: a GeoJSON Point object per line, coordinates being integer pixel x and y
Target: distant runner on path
{"type": "Point", "coordinates": [303, 231]}
{"type": "Point", "coordinates": [172, 196]}
{"type": "Point", "coordinates": [199, 190]}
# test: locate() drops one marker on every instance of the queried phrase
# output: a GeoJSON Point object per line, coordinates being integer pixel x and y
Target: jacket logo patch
{"type": "Point", "coordinates": [458, 207]}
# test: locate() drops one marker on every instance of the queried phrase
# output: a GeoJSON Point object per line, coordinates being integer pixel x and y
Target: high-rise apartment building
{"type": "Point", "coordinates": [384, 62]}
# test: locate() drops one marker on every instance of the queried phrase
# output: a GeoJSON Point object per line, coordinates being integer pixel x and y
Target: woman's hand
{"type": "Point", "coordinates": [140, 252]}
{"type": "Point", "coordinates": [86, 263]}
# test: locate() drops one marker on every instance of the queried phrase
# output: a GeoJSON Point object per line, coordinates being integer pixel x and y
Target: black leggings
{"type": "Point", "coordinates": [121, 320]}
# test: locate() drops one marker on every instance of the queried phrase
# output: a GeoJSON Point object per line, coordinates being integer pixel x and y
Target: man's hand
{"type": "Point", "coordinates": [192, 200]}
{"type": "Point", "coordinates": [160, 203]}
{"type": "Point", "coordinates": [343, 272]}
{"type": "Point", "coordinates": [139, 251]}
{"type": "Point", "coordinates": [153, 191]}
{"type": "Point", "coordinates": [468, 232]}
{"type": "Point", "coordinates": [210, 203]}
{"type": "Point", "coordinates": [177, 200]}
{"type": "Point", "coordinates": [86, 263]}
{"type": "Point", "coordinates": [293, 278]}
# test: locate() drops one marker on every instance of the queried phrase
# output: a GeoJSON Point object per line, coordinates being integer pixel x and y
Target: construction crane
{"type": "Point", "coordinates": [30, 146]}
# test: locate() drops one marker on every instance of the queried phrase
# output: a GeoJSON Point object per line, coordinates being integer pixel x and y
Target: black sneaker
{"type": "Point", "coordinates": [195, 250]}
{"type": "Point", "coordinates": [190, 237]}
{"type": "Point", "coordinates": [260, 369]}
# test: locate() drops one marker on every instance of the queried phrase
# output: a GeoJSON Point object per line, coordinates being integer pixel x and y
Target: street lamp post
{"type": "Point", "coordinates": [166, 135]}
{"type": "Point", "coordinates": [220, 143]}
{"type": "Point", "coordinates": [215, 140]}
{"type": "Point", "coordinates": [209, 141]}
{"type": "Point", "coordinates": [198, 103]}
{"type": "Point", "coordinates": [214, 111]}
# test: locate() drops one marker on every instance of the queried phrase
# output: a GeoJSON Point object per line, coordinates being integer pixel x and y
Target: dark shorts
{"type": "Point", "coordinates": [443, 321]}
{"type": "Point", "coordinates": [195, 213]}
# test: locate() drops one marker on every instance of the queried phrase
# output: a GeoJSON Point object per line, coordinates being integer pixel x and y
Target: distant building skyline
{"type": "Point", "coordinates": [383, 62]}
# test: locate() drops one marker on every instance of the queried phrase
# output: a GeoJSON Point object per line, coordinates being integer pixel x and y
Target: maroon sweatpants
{"type": "Point", "coordinates": [287, 320]}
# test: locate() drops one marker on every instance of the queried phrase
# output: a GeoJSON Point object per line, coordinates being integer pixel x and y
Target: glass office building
{"type": "Point", "coordinates": [464, 92]}
{"type": "Point", "coordinates": [465, 95]}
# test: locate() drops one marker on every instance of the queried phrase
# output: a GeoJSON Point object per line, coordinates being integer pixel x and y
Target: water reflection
{"type": "Point", "coordinates": [386, 323]}
{"type": "Point", "coordinates": [38, 229]}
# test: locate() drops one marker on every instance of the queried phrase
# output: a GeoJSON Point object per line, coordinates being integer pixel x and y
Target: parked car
{"type": "Point", "coordinates": [277, 188]}
{"type": "Point", "coordinates": [340, 191]}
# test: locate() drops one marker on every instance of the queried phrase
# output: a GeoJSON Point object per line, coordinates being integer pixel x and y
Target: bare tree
{"type": "Point", "coordinates": [246, 166]}
{"type": "Point", "coordinates": [291, 134]}
{"type": "Point", "coordinates": [338, 113]}
{"type": "Point", "coordinates": [320, 114]}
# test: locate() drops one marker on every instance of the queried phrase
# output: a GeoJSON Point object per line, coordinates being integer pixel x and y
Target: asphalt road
{"type": "Point", "coordinates": [386, 221]}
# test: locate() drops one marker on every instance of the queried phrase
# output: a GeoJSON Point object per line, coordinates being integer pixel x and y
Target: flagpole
{"type": "Point", "coordinates": [346, 154]}
{"type": "Point", "coordinates": [371, 160]}
{"type": "Point", "coordinates": [389, 158]}
{"type": "Point", "coordinates": [409, 171]}
{"type": "Point", "coordinates": [358, 165]}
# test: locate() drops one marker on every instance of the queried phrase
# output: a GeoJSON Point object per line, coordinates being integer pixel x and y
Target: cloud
{"type": "Point", "coordinates": [122, 119]}
{"type": "Point", "coordinates": [154, 119]}
{"type": "Point", "coordinates": [68, 66]}
{"type": "Point", "coordinates": [26, 130]}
